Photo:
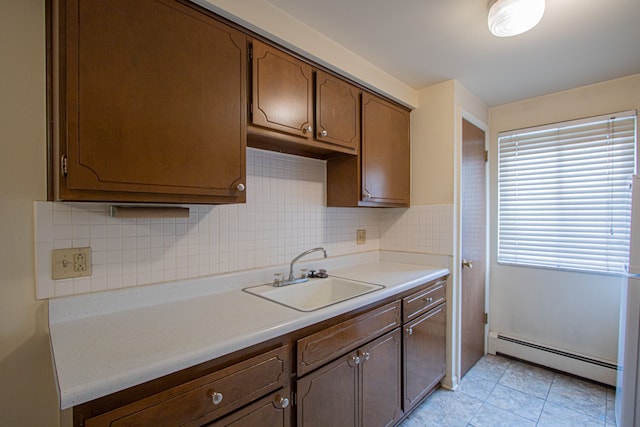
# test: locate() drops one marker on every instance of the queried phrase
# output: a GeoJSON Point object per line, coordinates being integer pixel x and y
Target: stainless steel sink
{"type": "Point", "coordinates": [314, 294]}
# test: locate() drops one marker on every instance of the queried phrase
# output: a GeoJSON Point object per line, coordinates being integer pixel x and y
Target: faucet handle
{"type": "Point", "coordinates": [312, 274]}
{"type": "Point", "coordinates": [322, 273]}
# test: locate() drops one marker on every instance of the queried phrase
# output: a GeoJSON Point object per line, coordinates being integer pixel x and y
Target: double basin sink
{"type": "Point", "coordinates": [314, 294]}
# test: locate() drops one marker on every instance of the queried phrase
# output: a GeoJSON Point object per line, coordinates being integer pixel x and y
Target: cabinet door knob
{"type": "Point", "coordinates": [308, 129]}
{"type": "Point", "coordinates": [240, 187]}
{"type": "Point", "coordinates": [280, 402]}
{"type": "Point", "coordinates": [367, 195]}
{"type": "Point", "coordinates": [216, 398]}
{"type": "Point", "coordinates": [324, 133]}
{"type": "Point", "coordinates": [366, 355]}
{"type": "Point", "coordinates": [410, 331]}
{"type": "Point", "coordinates": [356, 360]}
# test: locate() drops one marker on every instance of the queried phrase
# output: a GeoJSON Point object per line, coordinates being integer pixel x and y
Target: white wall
{"type": "Point", "coordinates": [27, 390]}
{"type": "Point", "coordinates": [571, 311]}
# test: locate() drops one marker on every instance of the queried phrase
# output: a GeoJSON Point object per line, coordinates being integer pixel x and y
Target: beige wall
{"type": "Point", "coordinates": [270, 21]}
{"type": "Point", "coordinates": [27, 391]}
{"type": "Point", "coordinates": [432, 147]}
{"type": "Point", "coordinates": [572, 311]}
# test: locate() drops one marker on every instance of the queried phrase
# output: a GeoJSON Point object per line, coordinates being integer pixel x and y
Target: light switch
{"type": "Point", "coordinates": [71, 262]}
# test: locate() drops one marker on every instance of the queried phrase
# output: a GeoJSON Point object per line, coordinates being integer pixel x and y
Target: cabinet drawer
{"type": "Point", "coordinates": [324, 346]}
{"type": "Point", "coordinates": [230, 388]}
{"type": "Point", "coordinates": [423, 301]}
{"type": "Point", "coordinates": [273, 410]}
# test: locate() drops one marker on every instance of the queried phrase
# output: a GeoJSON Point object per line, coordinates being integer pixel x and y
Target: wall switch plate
{"type": "Point", "coordinates": [71, 262]}
{"type": "Point", "coordinates": [361, 237]}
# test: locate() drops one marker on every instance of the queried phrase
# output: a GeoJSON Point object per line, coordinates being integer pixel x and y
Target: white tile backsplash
{"type": "Point", "coordinates": [285, 214]}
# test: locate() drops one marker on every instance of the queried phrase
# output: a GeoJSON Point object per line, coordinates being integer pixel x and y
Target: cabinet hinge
{"type": "Point", "coordinates": [486, 318]}
{"type": "Point", "coordinates": [294, 398]}
{"type": "Point", "coordinates": [486, 156]}
{"type": "Point", "coordinates": [63, 166]}
{"type": "Point", "coordinates": [250, 52]}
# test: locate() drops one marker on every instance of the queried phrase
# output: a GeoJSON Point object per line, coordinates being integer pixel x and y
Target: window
{"type": "Point", "coordinates": [564, 197]}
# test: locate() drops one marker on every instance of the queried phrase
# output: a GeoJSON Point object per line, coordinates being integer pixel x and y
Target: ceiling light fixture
{"type": "Point", "coordinates": [512, 17]}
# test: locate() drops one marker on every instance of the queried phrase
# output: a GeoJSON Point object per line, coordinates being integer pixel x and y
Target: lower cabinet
{"type": "Point", "coordinates": [361, 388]}
{"type": "Point", "coordinates": [369, 369]}
{"type": "Point", "coordinates": [212, 396]}
{"type": "Point", "coordinates": [424, 355]}
{"type": "Point", "coordinates": [273, 410]}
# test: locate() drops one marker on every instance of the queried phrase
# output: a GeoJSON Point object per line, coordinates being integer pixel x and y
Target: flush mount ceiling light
{"type": "Point", "coordinates": [511, 17]}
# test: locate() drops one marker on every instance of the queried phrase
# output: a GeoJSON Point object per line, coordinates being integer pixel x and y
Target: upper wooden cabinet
{"type": "Point", "coordinates": [149, 103]}
{"type": "Point", "coordinates": [337, 112]}
{"type": "Point", "coordinates": [282, 92]}
{"type": "Point", "coordinates": [297, 109]}
{"type": "Point", "coordinates": [380, 176]}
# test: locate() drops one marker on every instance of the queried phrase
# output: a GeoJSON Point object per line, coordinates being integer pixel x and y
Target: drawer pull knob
{"type": "Point", "coordinates": [428, 299]}
{"type": "Point", "coordinates": [216, 397]}
{"type": "Point", "coordinates": [280, 402]}
{"type": "Point", "coordinates": [410, 331]}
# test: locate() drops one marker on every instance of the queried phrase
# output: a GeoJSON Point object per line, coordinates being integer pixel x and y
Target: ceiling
{"type": "Point", "coordinates": [423, 42]}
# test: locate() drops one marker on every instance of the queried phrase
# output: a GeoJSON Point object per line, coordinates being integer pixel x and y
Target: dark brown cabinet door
{"type": "Point", "coordinates": [152, 103]}
{"type": "Point", "coordinates": [381, 366]}
{"type": "Point", "coordinates": [337, 112]}
{"type": "Point", "coordinates": [424, 353]}
{"type": "Point", "coordinates": [380, 174]}
{"type": "Point", "coordinates": [385, 152]}
{"type": "Point", "coordinates": [282, 92]}
{"type": "Point", "coordinates": [272, 411]}
{"type": "Point", "coordinates": [329, 396]}
{"type": "Point", "coordinates": [361, 388]}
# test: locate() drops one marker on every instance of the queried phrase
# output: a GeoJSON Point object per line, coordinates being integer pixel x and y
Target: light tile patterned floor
{"type": "Point", "coordinates": [499, 391]}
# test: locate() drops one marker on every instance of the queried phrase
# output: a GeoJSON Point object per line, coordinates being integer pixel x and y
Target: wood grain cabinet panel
{"type": "Point", "coordinates": [381, 366]}
{"type": "Point", "coordinates": [380, 175]}
{"type": "Point", "coordinates": [206, 398]}
{"type": "Point", "coordinates": [298, 109]}
{"type": "Point", "coordinates": [337, 112]}
{"type": "Point", "coordinates": [329, 396]}
{"type": "Point", "coordinates": [268, 411]}
{"type": "Point", "coordinates": [151, 103]}
{"type": "Point", "coordinates": [361, 388]}
{"type": "Point", "coordinates": [423, 301]}
{"type": "Point", "coordinates": [424, 355]}
{"type": "Point", "coordinates": [385, 152]}
{"type": "Point", "coordinates": [282, 92]}
{"type": "Point", "coordinates": [317, 349]}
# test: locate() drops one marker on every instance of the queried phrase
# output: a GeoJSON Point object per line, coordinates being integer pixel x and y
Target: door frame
{"type": "Point", "coordinates": [452, 380]}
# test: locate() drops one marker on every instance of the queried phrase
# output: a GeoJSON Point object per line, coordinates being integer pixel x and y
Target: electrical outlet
{"type": "Point", "coordinates": [361, 237]}
{"type": "Point", "coordinates": [71, 262]}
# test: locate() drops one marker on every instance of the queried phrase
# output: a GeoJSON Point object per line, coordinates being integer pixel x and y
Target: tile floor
{"type": "Point", "coordinates": [499, 391]}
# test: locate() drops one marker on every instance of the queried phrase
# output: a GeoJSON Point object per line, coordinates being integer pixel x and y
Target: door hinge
{"type": "Point", "coordinates": [63, 165]}
{"type": "Point", "coordinates": [486, 156]}
{"type": "Point", "coordinates": [486, 318]}
{"type": "Point", "coordinates": [294, 397]}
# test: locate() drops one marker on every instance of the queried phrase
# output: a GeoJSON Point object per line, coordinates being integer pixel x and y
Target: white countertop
{"type": "Point", "coordinates": [105, 343]}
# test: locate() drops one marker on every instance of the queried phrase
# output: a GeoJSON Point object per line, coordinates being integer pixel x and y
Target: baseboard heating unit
{"type": "Point", "coordinates": [591, 368]}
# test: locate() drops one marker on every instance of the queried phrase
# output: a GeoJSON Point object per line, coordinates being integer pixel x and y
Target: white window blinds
{"type": "Point", "coordinates": [563, 194]}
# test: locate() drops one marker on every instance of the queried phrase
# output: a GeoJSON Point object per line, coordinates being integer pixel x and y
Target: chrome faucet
{"type": "Point", "coordinates": [291, 279]}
